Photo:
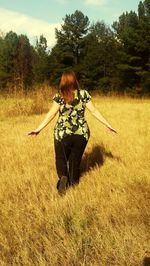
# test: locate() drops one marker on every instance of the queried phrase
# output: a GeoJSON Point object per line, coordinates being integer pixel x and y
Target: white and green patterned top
{"type": "Point", "coordinates": [71, 118]}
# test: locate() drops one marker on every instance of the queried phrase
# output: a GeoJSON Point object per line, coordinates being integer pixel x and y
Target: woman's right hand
{"type": "Point", "coordinates": [111, 129]}
{"type": "Point", "coordinates": [34, 132]}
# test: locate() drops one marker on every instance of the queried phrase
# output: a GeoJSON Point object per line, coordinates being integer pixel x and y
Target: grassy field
{"type": "Point", "coordinates": [105, 220]}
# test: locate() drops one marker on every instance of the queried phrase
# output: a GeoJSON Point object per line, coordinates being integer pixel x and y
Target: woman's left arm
{"type": "Point", "coordinates": [99, 116]}
{"type": "Point", "coordinates": [49, 117]}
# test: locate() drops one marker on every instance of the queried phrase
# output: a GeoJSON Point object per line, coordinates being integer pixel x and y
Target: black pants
{"type": "Point", "coordinates": [69, 153]}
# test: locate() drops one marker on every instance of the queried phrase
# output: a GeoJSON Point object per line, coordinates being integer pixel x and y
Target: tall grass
{"type": "Point", "coordinates": [105, 220]}
{"type": "Point", "coordinates": [36, 101]}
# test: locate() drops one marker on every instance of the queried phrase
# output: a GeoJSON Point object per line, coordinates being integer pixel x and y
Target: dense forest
{"type": "Point", "coordinates": [105, 58]}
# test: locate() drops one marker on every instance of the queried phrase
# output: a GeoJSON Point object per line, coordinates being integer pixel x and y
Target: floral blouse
{"type": "Point", "coordinates": [71, 118]}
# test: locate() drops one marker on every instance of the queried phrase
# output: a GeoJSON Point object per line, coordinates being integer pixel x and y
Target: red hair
{"type": "Point", "coordinates": [68, 84]}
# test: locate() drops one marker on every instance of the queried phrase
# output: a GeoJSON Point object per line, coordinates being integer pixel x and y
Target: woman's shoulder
{"type": "Point", "coordinates": [84, 91]}
{"type": "Point", "coordinates": [85, 95]}
{"type": "Point", "coordinates": [57, 98]}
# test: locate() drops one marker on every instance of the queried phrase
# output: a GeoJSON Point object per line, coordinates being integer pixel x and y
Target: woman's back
{"type": "Point", "coordinates": [71, 115]}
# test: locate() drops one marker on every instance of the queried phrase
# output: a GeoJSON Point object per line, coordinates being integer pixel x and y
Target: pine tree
{"type": "Point", "coordinates": [71, 36]}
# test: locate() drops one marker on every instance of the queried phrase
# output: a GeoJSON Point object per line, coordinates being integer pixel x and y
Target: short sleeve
{"type": "Point", "coordinates": [87, 96]}
{"type": "Point", "coordinates": [57, 98]}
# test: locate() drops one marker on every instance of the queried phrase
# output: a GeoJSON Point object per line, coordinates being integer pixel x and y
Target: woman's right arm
{"type": "Point", "coordinates": [49, 117]}
{"type": "Point", "coordinates": [99, 116]}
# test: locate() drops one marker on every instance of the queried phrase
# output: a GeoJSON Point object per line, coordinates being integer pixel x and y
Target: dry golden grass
{"type": "Point", "coordinates": [105, 220]}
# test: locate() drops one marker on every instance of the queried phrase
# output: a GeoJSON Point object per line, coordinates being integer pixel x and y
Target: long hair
{"type": "Point", "coordinates": [68, 84]}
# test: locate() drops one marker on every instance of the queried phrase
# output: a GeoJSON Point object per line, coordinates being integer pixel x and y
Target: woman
{"type": "Point", "coordinates": [71, 132]}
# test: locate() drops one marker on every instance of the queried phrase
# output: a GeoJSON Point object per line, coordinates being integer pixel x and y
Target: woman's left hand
{"type": "Point", "coordinates": [33, 133]}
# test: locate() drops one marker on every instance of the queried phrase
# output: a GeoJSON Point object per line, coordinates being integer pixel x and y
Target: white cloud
{"type": "Point", "coordinates": [96, 2]}
{"type": "Point", "coordinates": [23, 24]}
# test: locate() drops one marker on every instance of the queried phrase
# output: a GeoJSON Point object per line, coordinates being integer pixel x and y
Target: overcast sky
{"type": "Point", "coordinates": [33, 17]}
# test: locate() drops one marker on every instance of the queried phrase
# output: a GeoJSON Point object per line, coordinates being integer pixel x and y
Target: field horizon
{"type": "Point", "coordinates": [105, 220]}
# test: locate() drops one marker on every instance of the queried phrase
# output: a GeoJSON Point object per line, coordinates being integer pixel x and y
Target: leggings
{"type": "Point", "coordinates": [68, 154]}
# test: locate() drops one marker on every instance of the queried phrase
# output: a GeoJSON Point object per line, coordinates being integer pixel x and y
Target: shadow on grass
{"type": "Point", "coordinates": [95, 158]}
{"type": "Point", "coordinates": [146, 261]}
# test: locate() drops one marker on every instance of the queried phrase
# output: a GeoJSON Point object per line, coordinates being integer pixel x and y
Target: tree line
{"type": "Point", "coordinates": [105, 58]}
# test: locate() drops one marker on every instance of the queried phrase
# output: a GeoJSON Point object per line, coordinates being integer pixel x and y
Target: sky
{"type": "Point", "coordinates": [33, 17]}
